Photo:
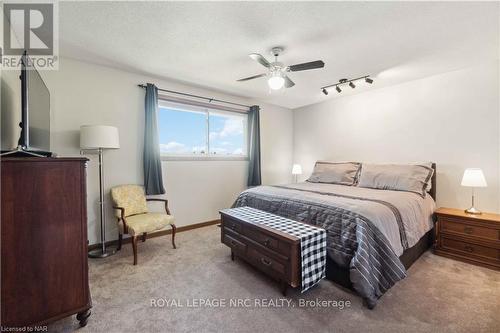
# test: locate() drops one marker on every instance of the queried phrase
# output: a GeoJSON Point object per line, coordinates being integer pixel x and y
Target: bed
{"type": "Point", "coordinates": [373, 235]}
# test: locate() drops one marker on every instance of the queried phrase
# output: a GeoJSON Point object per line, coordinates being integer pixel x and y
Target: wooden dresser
{"type": "Point", "coordinates": [271, 251]}
{"type": "Point", "coordinates": [44, 241]}
{"type": "Point", "coordinates": [471, 238]}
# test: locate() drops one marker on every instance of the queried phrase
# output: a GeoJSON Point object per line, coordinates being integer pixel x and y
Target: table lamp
{"type": "Point", "coordinates": [296, 170]}
{"type": "Point", "coordinates": [473, 177]}
{"type": "Point", "coordinates": [98, 138]}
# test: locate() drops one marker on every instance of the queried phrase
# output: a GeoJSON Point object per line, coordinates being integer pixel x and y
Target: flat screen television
{"type": "Point", "coordinates": [35, 113]}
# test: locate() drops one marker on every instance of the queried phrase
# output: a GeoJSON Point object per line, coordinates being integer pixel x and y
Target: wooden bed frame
{"type": "Point", "coordinates": [340, 275]}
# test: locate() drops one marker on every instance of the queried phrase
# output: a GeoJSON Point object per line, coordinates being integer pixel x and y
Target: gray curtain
{"type": "Point", "coordinates": [254, 177]}
{"type": "Point", "coordinates": [153, 182]}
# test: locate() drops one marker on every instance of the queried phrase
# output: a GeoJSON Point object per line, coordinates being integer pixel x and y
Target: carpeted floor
{"type": "Point", "coordinates": [439, 295]}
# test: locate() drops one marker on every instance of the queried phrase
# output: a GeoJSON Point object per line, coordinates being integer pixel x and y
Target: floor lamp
{"type": "Point", "coordinates": [98, 138]}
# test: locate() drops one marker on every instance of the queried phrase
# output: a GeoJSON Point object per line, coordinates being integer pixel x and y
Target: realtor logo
{"type": "Point", "coordinates": [30, 27]}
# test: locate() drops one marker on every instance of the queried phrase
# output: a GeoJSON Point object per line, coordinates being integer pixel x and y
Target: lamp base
{"type": "Point", "coordinates": [98, 253]}
{"type": "Point", "coordinates": [473, 211]}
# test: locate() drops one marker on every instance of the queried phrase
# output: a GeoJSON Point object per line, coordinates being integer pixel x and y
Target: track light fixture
{"type": "Point", "coordinates": [349, 82]}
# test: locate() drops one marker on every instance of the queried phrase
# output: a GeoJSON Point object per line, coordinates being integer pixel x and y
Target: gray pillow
{"type": "Point", "coordinates": [342, 173]}
{"type": "Point", "coordinates": [399, 177]}
{"type": "Point", "coordinates": [429, 182]}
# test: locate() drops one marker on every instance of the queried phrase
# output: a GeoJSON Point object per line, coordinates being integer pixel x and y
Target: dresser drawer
{"type": "Point", "coordinates": [233, 225]}
{"type": "Point", "coordinates": [471, 249]}
{"type": "Point", "coordinates": [235, 244]}
{"type": "Point", "coordinates": [457, 227]}
{"type": "Point", "coordinates": [268, 241]}
{"type": "Point", "coordinates": [265, 262]}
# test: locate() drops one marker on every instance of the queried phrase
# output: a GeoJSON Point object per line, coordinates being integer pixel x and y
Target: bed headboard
{"type": "Point", "coordinates": [432, 192]}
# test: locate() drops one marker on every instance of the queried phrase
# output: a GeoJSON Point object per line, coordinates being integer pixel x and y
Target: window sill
{"type": "Point", "coordinates": [204, 158]}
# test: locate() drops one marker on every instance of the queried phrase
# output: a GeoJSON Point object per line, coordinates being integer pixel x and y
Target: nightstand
{"type": "Point", "coordinates": [471, 238]}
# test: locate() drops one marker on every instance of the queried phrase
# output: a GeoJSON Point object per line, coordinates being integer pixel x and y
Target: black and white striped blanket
{"type": "Point", "coordinates": [312, 240]}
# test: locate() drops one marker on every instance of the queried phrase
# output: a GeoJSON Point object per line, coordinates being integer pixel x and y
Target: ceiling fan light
{"type": "Point", "coordinates": [276, 81]}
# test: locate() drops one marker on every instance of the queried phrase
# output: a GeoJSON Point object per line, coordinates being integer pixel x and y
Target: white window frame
{"type": "Point", "coordinates": [163, 103]}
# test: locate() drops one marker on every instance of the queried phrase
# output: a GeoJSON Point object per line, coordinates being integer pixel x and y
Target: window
{"type": "Point", "coordinates": [192, 131]}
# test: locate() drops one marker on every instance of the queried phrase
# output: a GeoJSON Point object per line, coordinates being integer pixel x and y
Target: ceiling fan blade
{"type": "Point", "coordinates": [288, 83]}
{"type": "Point", "coordinates": [260, 59]}
{"type": "Point", "coordinates": [251, 77]}
{"type": "Point", "coordinates": [307, 65]}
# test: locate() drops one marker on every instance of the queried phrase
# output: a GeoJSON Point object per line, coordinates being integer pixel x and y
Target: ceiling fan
{"type": "Point", "coordinates": [277, 77]}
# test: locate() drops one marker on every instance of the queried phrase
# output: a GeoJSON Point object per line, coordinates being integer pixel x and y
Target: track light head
{"type": "Point", "coordinates": [325, 91]}
{"type": "Point", "coordinates": [352, 85]}
{"type": "Point", "coordinates": [338, 89]}
{"type": "Point", "coordinates": [368, 80]}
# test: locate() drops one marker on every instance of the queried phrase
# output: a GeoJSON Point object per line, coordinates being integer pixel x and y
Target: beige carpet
{"type": "Point", "coordinates": [439, 295]}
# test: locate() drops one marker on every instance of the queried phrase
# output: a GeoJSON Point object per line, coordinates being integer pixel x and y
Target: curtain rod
{"type": "Point", "coordinates": [196, 96]}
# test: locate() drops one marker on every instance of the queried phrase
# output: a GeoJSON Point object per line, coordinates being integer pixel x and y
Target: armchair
{"type": "Point", "coordinates": [130, 205]}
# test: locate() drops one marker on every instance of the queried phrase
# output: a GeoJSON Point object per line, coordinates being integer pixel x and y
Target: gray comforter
{"type": "Point", "coordinates": [367, 229]}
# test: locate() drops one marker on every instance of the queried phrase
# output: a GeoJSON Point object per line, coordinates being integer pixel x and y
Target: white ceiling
{"type": "Point", "coordinates": [207, 43]}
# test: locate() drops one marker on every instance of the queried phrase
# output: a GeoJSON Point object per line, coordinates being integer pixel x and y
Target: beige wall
{"type": "Point", "coordinates": [10, 100]}
{"type": "Point", "coordinates": [451, 119]}
{"type": "Point", "coordinates": [11, 108]}
{"type": "Point", "coordinates": [88, 94]}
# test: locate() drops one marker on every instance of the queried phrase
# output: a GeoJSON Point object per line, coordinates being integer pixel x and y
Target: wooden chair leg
{"type": "Point", "coordinates": [134, 248]}
{"type": "Point", "coordinates": [174, 228]}
{"type": "Point", "coordinates": [143, 237]}
{"type": "Point", "coordinates": [120, 239]}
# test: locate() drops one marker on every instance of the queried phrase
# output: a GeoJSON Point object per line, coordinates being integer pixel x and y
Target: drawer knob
{"type": "Point", "coordinates": [233, 243]}
{"type": "Point", "coordinates": [266, 241]}
{"type": "Point", "coordinates": [468, 230]}
{"type": "Point", "coordinates": [468, 248]}
{"type": "Point", "coordinates": [265, 261]}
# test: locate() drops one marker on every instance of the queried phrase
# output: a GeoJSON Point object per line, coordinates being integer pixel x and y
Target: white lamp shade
{"type": "Point", "coordinates": [474, 177]}
{"type": "Point", "coordinates": [99, 136]}
{"type": "Point", "coordinates": [296, 169]}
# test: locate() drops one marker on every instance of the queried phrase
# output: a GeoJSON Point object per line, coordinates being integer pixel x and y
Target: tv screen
{"type": "Point", "coordinates": [36, 110]}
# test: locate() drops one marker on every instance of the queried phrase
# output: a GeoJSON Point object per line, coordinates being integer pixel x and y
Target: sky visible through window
{"type": "Point", "coordinates": [185, 133]}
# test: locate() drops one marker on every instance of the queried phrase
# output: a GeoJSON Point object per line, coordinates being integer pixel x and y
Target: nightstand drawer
{"type": "Point", "coordinates": [470, 249]}
{"type": "Point", "coordinates": [454, 226]}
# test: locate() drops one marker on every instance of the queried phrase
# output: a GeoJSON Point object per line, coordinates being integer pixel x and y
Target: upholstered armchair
{"type": "Point", "coordinates": [133, 217]}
